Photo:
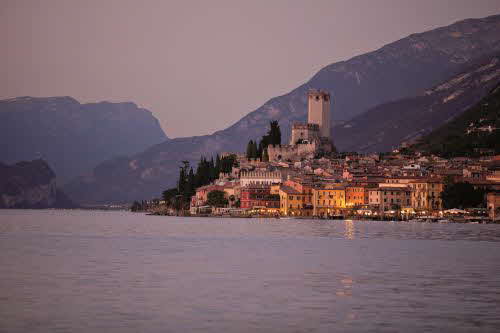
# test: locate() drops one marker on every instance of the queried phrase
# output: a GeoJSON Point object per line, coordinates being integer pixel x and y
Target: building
{"type": "Point", "coordinates": [328, 200]}
{"type": "Point", "coordinates": [311, 137]}
{"type": "Point", "coordinates": [426, 194]}
{"type": "Point", "coordinates": [356, 195]}
{"type": "Point", "coordinates": [259, 196]}
{"type": "Point", "coordinates": [305, 188]}
{"type": "Point", "coordinates": [493, 204]}
{"type": "Point", "coordinates": [259, 178]}
{"type": "Point", "coordinates": [374, 197]}
{"type": "Point", "coordinates": [201, 196]}
{"type": "Point", "coordinates": [318, 111]}
{"type": "Point", "coordinates": [291, 201]}
{"type": "Point", "coordinates": [394, 198]}
{"type": "Point", "coordinates": [304, 133]}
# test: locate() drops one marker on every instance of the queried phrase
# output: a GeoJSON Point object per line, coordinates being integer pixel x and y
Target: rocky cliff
{"type": "Point", "coordinates": [30, 185]}
{"type": "Point", "coordinates": [398, 70]}
{"type": "Point", "coordinates": [73, 137]}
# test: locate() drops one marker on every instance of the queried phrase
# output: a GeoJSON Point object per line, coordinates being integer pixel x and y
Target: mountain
{"type": "Point", "coordinates": [401, 69]}
{"type": "Point", "coordinates": [73, 137]}
{"type": "Point", "coordinates": [30, 185]}
{"type": "Point", "coordinates": [475, 129]}
{"type": "Point", "coordinates": [385, 126]}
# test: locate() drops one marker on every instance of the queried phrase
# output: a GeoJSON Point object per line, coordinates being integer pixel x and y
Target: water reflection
{"type": "Point", "coordinates": [345, 287]}
{"type": "Point", "coordinates": [349, 229]}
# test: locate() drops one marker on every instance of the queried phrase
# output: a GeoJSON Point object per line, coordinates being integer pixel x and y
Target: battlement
{"type": "Point", "coordinates": [304, 126]}
{"type": "Point", "coordinates": [319, 94]}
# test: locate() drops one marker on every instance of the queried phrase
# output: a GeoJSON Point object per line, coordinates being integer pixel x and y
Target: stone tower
{"type": "Point", "coordinates": [318, 111]}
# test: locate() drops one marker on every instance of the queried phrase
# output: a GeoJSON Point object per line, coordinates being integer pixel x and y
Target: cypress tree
{"type": "Point", "coordinates": [265, 156]}
{"type": "Point", "coordinates": [254, 149]}
{"type": "Point", "coordinates": [217, 166]}
{"type": "Point", "coordinates": [249, 149]}
{"type": "Point", "coordinates": [274, 133]}
{"type": "Point", "coordinates": [181, 183]}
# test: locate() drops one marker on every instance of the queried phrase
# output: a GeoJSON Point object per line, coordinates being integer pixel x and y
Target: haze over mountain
{"type": "Point", "coordinates": [70, 136]}
{"type": "Point", "coordinates": [401, 69]}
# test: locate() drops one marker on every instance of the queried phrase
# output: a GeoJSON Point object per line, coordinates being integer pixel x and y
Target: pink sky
{"type": "Point", "coordinates": [199, 66]}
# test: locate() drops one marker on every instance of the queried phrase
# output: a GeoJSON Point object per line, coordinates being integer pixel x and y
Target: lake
{"type": "Point", "coordinates": [98, 271]}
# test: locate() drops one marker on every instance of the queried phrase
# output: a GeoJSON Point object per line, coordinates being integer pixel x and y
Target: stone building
{"type": "Point", "coordinates": [318, 111]}
{"type": "Point", "coordinates": [311, 137]}
{"type": "Point", "coordinates": [304, 133]}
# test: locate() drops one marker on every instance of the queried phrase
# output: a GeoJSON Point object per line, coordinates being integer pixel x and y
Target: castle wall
{"type": "Point", "coordinates": [309, 132]}
{"type": "Point", "coordinates": [291, 152]}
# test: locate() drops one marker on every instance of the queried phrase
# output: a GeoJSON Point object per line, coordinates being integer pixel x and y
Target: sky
{"type": "Point", "coordinates": [199, 66]}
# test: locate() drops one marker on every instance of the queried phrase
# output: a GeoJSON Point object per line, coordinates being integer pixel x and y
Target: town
{"type": "Point", "coordinates": [308, 178]}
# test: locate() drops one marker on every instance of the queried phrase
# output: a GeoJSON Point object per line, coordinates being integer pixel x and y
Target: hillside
{"type": "Point", "coordinates": [385, 126]}
{"type": "Point", "coordinates": [30, 185]}
{"type": "Point", "coordinates": [73, 137]}
{"type": "Point", "coordinates": [475, 129]}
{"type": "Point", "coordinates": [401, 69]}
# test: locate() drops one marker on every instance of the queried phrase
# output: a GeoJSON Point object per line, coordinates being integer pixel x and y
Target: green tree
{"type": "Point", "coordinates": [254, 149]}
{"type": "Point", "coordinates": [227, 163]}
{"type": "Point", "coordinates": [462, 195]}
{"type": "Point", "coordinates": [265, 155]}
{"type": "Point", "coordinates": [274, 133]}
{"type": "Point", "coordinates": [249, 149]}
{"type": "Point", "coordinates": [182, 181]}
{"type": "Point", "coordinates": [169, 194]}
{"type": "Point", "coordinates": [136, 207]}
{"type": "Point", "coordinates": [216, 198]}
{"type": "Point", "coordinates": [218, 165]}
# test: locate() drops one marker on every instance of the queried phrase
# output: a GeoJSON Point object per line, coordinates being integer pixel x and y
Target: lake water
{"type": "Point", "coordinates": [94, 271]}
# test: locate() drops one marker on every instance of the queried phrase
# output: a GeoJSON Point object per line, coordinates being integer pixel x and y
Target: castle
{"type": "Point", "coordinates": [311, 137]}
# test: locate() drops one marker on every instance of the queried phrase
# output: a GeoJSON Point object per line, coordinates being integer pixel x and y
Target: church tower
{"type": "Point", "coordinates": [318, 111]}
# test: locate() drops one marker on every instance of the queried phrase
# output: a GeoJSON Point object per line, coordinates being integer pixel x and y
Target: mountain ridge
{"type": "Point", "coordinates": [409, 118]}
{"type": "Point", "coordinates": [73, 137]}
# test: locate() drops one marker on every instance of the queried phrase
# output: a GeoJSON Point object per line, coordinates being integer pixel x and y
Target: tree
{"type": "Point", "coordinates": [190, 189]}
{"type": "Point", "coordinates": [227, 163]}
{"type": "Point", "coordinates": [181, 182]}
{"type": "Point", "coordinates": [254, 149]}
{"type": "Point", "coordinates": [265, 156]}
{"type": "Point", "coordinates": [167, 195]}
{"type": "Point", "coordinates": [218, 165]}
{"type": "Point", "coordinates": [274, 133]}
{"type": "Point", "coordinates": [461, 195]}
{"type": "Point", "coordinates": [216, 198]}
{"type": "Point", "coordinates": [249, 149]}
{"type": "Point", "coordinates": [136, 207]}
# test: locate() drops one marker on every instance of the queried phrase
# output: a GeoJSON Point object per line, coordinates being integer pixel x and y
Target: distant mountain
{"type": "Point", "coordinates": [30, 185]}
{"type": "Point", "coordinates": [474, 130]}
{"type": "Point", "coordinates": [385, 126]}
{"type": "Point", "coordinates": [73, 137]}
{"type": "Point", "coordinates": [401, 69]}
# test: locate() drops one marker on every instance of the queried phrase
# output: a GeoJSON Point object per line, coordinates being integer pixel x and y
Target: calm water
{"type": "Point", "coordinates": [86, 271]}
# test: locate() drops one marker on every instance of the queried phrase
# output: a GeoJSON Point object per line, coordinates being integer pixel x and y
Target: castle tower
{"type": "Point", "coordinates": [318, 111]}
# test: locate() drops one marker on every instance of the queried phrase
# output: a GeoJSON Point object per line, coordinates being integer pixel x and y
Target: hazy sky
{"type": "Point", "coordinates": [199, 66]}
